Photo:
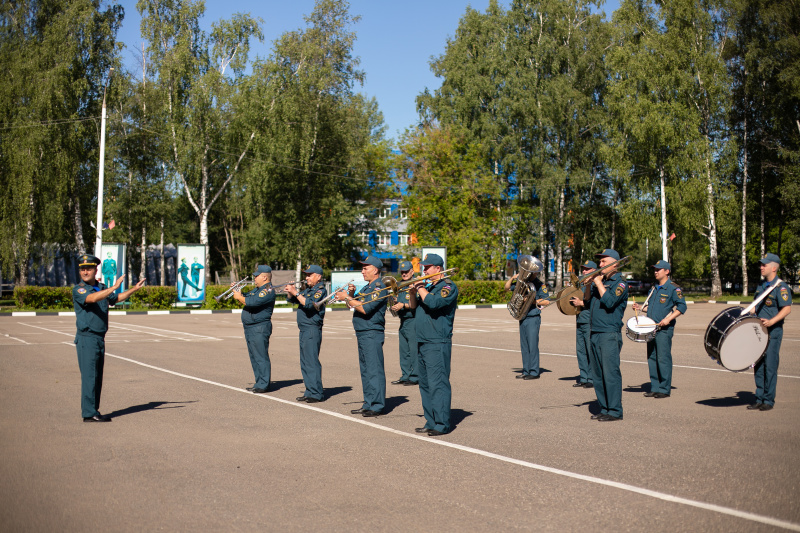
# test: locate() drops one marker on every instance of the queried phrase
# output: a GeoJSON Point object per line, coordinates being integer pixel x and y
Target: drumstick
{"type": "Point", "coordinates": [635, 311]}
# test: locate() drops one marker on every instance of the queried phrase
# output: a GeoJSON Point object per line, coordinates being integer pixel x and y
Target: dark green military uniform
{"type": "Point", "coordinates": [369, 328]}
{"type": "Point", "coordinates": [310, 322]}
{"type": "Point", "coordinates": [434, 325]}
{"type": "Point", "coordinates": [662, 301]}
{"type": "Point", "coordinates": [766, 369]}
{"type": "Point", "coordinates": [408, 342]}
{"type": "Point", "coordinates": [583, 346]}
{"type": "Point", "coordinates": [257, 321]}
{"type": "Point", "coordinates": [606, 337]}
{"type": "Point", "coordinates": [529, 328]}
{"type": "Point", "coordinates": [91, 320]}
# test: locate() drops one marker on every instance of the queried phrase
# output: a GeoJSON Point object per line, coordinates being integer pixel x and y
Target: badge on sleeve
{"type": "Point", "coordinates": [317, 295]}
{"type": "Point", "coordinates": [679, 292]}
{"type": "Point", "coordinates": [81, 291]}
{"type": "Point", "coordinates": [445, 292]}
{"type": "Point", "coordinates": [262, 293]}
{"type": "Point", "coordinates": [784, 294]}
{"type": "Point", "coordinates": [620, 289]}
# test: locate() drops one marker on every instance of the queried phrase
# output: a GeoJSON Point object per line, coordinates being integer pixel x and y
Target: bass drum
{"type": "Point", "coordinates": [734, 341]}
{"type": "Point", "coordinates": [563, 300]}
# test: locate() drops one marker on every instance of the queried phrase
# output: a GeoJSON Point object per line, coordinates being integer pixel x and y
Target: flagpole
{"type": "Point", "coordinates": [98, 243]}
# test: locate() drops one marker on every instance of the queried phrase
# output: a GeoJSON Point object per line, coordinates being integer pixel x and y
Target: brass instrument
{"type": "Point", "coordinates": [525, 292]}
{"type": "Point", "coordinates": [578, 285]}
{"type": "Point", "coordinates": [391, 303]}
{"type": "Point", "coordinates": [331, 297]}
{"type": "Point", "coordinates": [396, 288]}
{"type": "Point", "coordinates": [302, 285]}
{"type": "Point", "coordinates": [234, 288]}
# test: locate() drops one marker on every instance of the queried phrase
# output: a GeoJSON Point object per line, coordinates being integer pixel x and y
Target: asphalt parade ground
{"type": "Point", "coordinates": [190, 449]}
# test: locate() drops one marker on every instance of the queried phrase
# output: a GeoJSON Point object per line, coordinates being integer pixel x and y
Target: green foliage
{"type": "Point", "coordinates": [482, 292]}
{"type": "Point", "coordinates": [155, 297]}
{"type": "Point", "coordinates": [43, 297]}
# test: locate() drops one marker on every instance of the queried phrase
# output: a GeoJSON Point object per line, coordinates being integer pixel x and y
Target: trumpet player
{"type": "Point", "coordinates": [583, 346]}
{"type": "Point", "coordinates": [257, 322]}
{"type": "Point", "coordinates": [529, 326]}
{"type": "Point", "coordinates": [407, 333]}
{"type": "Point", "coordinates": [309, 322]}
{"type": "Point", "coordinates": [369, 323]}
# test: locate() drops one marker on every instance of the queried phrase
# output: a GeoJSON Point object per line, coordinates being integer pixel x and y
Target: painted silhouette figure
{"type": "Point", "coordinates": [196, 268]}
{"type": "Point", "coordinates": [184, 272]}
{"type": "Point", "coordinates": [109, 271]}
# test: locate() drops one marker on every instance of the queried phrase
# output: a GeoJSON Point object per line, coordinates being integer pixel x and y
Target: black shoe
{"type": "Point", "coordinates": [411, 383]}
{"type": "Point", "coordinates": [312, 400]}
{"type": "Point", "coordinates": [597, 416]}
{"type": "Point", "coordinates": [249, 389]}
{"type": "Point", "coordinates": [421, 430]}
{"type": "Point", "coordinates": [399, 382]}
{"type": "Point", "coordinates": [650, 394]}
{"type": "Point", "coordinates": [609, 418]}
{"type": "Point", "coordinates": [357, 411]}
{"type": "Point", "coordinates": [521, 376]}
{"type": "Point", "coordinates": [367, 413]}
{"type": "Point", "coordinates": [301, 398]}
{"type": "Point", "coordinates": [578, 384]}
{"type": "Point", "coordinates": [755, 406]}
{"type": "Point", "coordinates": [765, 407]}
{"type": "Point", "coordinates": [97, 418]}
{"type": "Point", "coordinates": [434, 433]}
{"type": "Point", "coordinates": [660, 395]}
{"type": "Point", "coordinates": [256, 390]}
{"type": "Point", "coordinates": [588, 385]}
{"type": "Point", "coordinates": [530, 377]}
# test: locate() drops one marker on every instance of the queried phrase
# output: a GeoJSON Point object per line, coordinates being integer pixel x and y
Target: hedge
{"type": "Point", "coordinates": [43, 297]}
{"type": "Point", "coordinates": [155, 297]}
{"type": "Point", "coordinates": [482, 292]}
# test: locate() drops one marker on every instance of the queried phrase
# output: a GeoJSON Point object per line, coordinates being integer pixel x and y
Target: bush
{"type": "Point", "coordinates": [43, 297]}
{"type": "Point", "coordinates": [155, 297]}
{"type": "Point", "coordinates": [482, 292]}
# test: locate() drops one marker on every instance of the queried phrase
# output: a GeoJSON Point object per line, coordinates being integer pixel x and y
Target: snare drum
{"type": "Point", "coordinates": [641, 329]}
{"type": "Point", "coordinates": [734, 341]}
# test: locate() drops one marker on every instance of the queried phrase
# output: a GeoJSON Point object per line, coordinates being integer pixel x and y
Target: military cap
{"type": "Point", "coordinates": [313, 269]}
{"type": "Point", "coordinates": [88, 260]}
{"type": "Point", "coordinates": [433, 259]}
{"type": "Point", "coordinates": [770, 258]}
{"type": "Point", "coordinates": [608, 252]}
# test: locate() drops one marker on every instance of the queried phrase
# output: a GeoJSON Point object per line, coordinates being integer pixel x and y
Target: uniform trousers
{"type": "Point", "coordinates": [91, 359]}
{"type": "Point", "coordinates": [766, 370]}
{"type": "Point", "coordinates": [583, 347]}
{"type": "Point", "coordinates": [408, 351]}
{"type": "Point", "coordinates": [607, 378]}
{"type": "Point", "coordinates": [659, 361]}
{"type": "Point", "coordinates": [434, 384]}
{"type": "Point", "coordinates": [257, 338]}
{"type": "Point", "coordinates": [370, 362]}
{"type": "Point", "coordinates": [310, 367]}
{"type": "Point", "coordinates": [529, 344]}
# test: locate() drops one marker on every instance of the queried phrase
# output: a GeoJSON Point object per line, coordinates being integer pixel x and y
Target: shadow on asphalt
{"type": "Point", "coordinates": [456, 416]}
{"type": "Point", "coordinates": [149, 406]}
{"type": "Point", "coordinates": [333, 391]}
{"type": "Point", "coordinates": [644, 387]}
{"type": "Point", "coordinates": [741, 398]}
{"type": "Point", "coordinates": [570, 378]}
{"type": "Point", "coordinates": [393, 402]}
{"type": "Point", "coordinates": [278, 385]}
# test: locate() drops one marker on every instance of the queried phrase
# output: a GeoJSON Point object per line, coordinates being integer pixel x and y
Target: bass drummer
{"type": "Point", "coordinates": [664, 304]}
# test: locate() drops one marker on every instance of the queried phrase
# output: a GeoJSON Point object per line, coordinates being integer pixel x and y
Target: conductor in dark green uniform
{"type": "Point", "coordinates": [772, 311]}
{"type": "Point", "coordinates": [310, 320]}
{"type": "Point", "coordinates": [257, 321]}
{"type": "Point", "coordinates": [606, 303]}
{"type": "Point", "coordinates": [583, 345]}
{"type": "Point", "coordinates": [407, 336]}
{"type": "Point", "coordinates": [369, 323]}
{"type": "Point", "coordinates": [436, 300]}
{"type": "Point", "coordinates": [91, 300]}
{"type": "Point", "coordinates": [665, 304]}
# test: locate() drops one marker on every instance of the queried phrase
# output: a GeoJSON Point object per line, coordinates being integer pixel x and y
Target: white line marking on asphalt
{"type": "Point", "coordinates": [203, 337]}
{"type": "Point", "coordinates": [46, 329]}
{"type": "Point", "coordinates": [621, 360]}
{"type": "Point", "coordinates": [16, 339]}
{"type": "Point", "coordinates": [591, 479]}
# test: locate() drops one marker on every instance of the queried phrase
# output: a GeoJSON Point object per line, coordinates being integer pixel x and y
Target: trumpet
{"type": "Point", "coordinates": [332, 296]}
{"type": "Point", "coordinates": [302, 285]}
{"type": "Point", "coordinates": [397, 288]}
{"type": "Point", "coordinates": [234, 288]}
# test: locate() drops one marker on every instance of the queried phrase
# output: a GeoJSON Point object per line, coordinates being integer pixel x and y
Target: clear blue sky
{"type": "Point", "coordinates": [395, 41]}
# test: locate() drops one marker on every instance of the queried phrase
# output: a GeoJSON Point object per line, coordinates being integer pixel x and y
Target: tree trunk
{"type": "Point", "coordinates": [163, 278]}
{"type": "Point", "coordinates": [559, 242]}
{"type": "Point", "coordinates": [204, 241]}
{"type": "Point", "coordinates": [76, 219]}
{"type": "Point", "coordinates": [143, 256]}
{"type": "Point", "coordinates": [663, 183]}
{"type": "Point", "coordinates": [763, 225]}
{"type": "Point", "coordinates": [542, 242]}
{"type": "Point", "coordinates": [614, 220]}
{"type": "Point", "coordinates": [24, 252]}
{"type": "Point", "coordinates": [716, 282]}
{"type": "Point", "coordinates": [744, 213]}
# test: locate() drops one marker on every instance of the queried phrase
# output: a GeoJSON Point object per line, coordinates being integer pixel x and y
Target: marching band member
{"type": "Point", "coordinates": [369, 323]}
{"type": "Point", "coordinates": [666, 303]}
{"type": "Point", "coordinates": [407, 332]}
{"type": "Point", "coordinates": [257, 322]}
{"type": "Point", "coordinates": [91, 300]}
{"type": "Point", "coordinates": [529, 327]}
{"type": "Point", "coordinates": [309, 322]}
{"type": "Point", "coordinates": [772, 312]}
{"type": "Point", "coordinates": [583, 346]}
{"type": "Point", "coordinates": [436, 300]}
{"type": "Point", "coordinates": [607, 300]}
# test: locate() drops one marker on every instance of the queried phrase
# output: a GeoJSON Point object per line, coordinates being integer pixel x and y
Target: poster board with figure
{"type": "Point", "coordinates": [113, 265]}
{"type": "Point", "coordinates": [191, 273]}
{"type": "Point", "coordinates": [342, 277]}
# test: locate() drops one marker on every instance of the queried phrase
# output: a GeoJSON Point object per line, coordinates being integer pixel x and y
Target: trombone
{"type": "Point", "coordinates": [234, 288]}
{"type": "Point", "coordinates": [575, 288]}
{"type": "Point", "coordinates": [331, 297]}
{"type": "Point", "coordinates": [397, 288]}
